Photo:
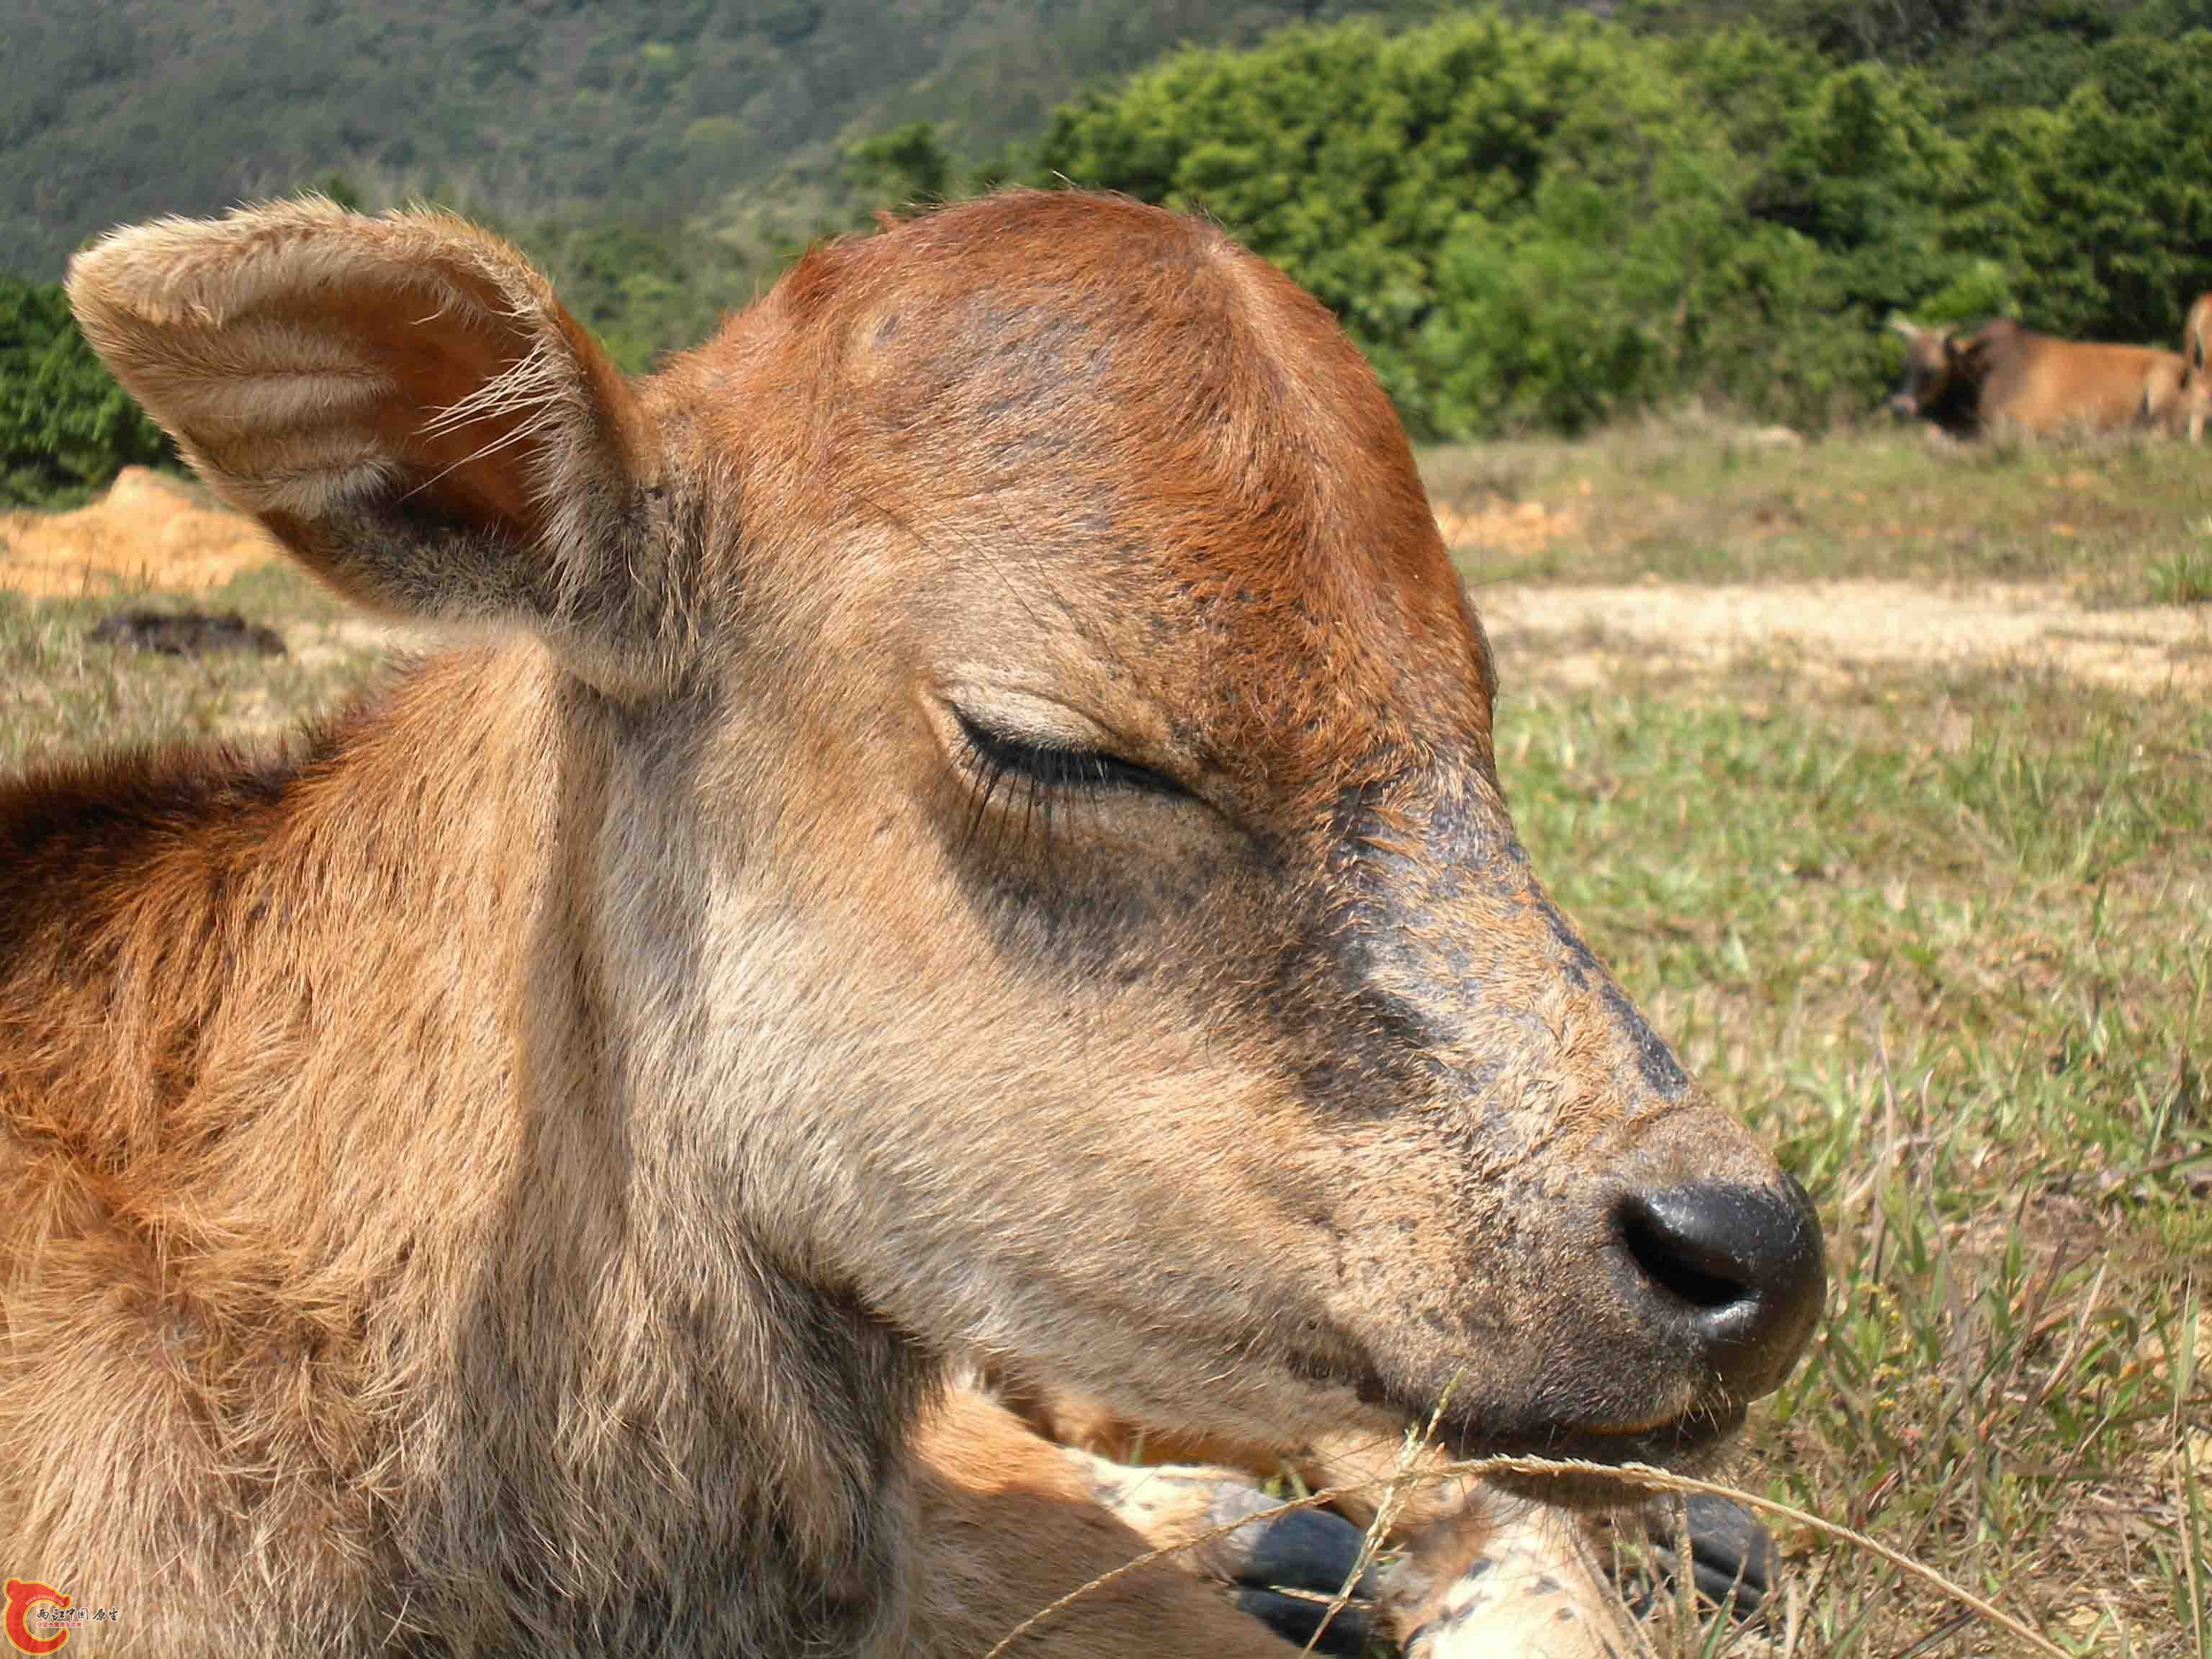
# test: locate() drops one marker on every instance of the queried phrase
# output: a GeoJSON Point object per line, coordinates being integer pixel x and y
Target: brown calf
{"type": "Point", "coordinates": [2006, 378]}
{"type": "Point", "coordinates": [964, 822]}
{"type": "Point", "coordinates": [2196, 382]}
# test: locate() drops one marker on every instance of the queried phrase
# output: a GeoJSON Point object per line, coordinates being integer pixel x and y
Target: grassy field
{"type": "Point", "coordinates": [2118, 522]}
{"type": "Point", "coordinates": [62, 693]}
{"type": "Point", "coordinates": [1949, 942]}
{"type": "Point", "coordinates": [1946, 935]}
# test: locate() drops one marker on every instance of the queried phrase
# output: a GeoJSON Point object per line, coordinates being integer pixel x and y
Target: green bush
{"type": "Point", "coordinates": [1550, 224]}
{"type": "Point", "coordinates": [2102, 209]}
{"type": "Point", "coordinates": [66, 428]}
{"type": "Point", "coordinates": [906, 164]}
{"type": "Point", "coordinates": [642, 289]}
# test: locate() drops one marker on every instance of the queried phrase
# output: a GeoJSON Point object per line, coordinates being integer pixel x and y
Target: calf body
{"type": "Point", "coordinates": [963, 822]}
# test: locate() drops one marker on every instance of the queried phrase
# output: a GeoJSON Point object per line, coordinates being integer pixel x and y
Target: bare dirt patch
{"type": "Point", "coordinates": [148, 530]}
{"type": "Point", "coordinates": [1575, 633]}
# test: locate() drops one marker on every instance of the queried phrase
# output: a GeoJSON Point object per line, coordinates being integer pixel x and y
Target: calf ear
{"type": "Point", "coordinates": [403, 402]}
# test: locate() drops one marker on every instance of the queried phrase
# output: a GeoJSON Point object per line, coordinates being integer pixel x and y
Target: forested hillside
{"type": "Point", "coordinates": [112, 110]}
{"type": "Point", "coordinates": [1529, 218]}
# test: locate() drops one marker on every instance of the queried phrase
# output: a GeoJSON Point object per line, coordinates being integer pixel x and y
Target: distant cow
{"type": "Point", "coordinates": [2004, 377]}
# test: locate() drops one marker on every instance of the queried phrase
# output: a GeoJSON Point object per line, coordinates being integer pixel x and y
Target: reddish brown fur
{"type": "Point", "coordinates": [505, 1178]}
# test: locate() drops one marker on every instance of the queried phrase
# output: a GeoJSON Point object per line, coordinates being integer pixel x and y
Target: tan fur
{"type": "Point", "coordinates": [2165, 407]}
{"type": "Point", "coordinates": [1365, 1466]}
{"type": "Point", "coordinates": [2196, 399]}
{"type": "Point", "coordinates": [1479, 1570]}
{"type": "Point", "coordinates": [506, 1177]}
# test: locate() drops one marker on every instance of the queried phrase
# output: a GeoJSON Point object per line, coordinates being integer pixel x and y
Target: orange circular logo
{"type": "Point", "coordinates": [22, 1596]}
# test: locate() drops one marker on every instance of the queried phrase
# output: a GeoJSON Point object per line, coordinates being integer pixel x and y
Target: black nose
{"type": "Point", "coordinates": [1740, 1267]}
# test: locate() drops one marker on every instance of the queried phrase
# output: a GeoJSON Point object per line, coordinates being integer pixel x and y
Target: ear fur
{"type": "Point", "coordinates": [406, 404]}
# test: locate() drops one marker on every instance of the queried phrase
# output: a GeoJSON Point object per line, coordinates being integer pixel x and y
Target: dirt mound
{"type": "Point", "coordinates": [147, 530]}
{"type": "Point", "coordinates": [1519, 529]}
{"type": "Point", "coordinates": [1576, 634]}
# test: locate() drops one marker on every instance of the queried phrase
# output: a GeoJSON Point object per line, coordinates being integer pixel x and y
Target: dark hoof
{"type": "Point", "coordinates": [1295, 1571]}
{"type": "Point", "coordinates": [1731, 1557]}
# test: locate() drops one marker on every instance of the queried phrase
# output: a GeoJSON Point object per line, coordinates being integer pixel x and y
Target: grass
{"type": "Point", "coordinates": [62, 693]}
{"type": "Point", "coordinates": [1946, 937]}
{"type": "Point", "coordinates": [2184, 576]}
{"type": "Point", "coordinates": [1686, 499]}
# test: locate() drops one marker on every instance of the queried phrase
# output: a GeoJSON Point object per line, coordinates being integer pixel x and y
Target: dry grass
{"type": "Point", "coordinates": [61, 693]}
{"type": "Point", "coordinates": [151, 529]}
{"type": "Point", "coordinates": [1945, 933]}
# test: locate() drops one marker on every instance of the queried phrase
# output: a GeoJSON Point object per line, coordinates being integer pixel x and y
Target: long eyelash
{"type": "Point", "coordinates": [986, 830]}
{"type": "Point", "coordinates": [1043, 772]}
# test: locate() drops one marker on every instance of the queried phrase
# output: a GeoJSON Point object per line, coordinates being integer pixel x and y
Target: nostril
{"type": "Point", "coordinates": [1739, 1268]}
{"type": "Point", "coordinates": [1679, 1261]}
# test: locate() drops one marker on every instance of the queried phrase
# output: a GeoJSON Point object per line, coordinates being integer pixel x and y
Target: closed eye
{"type": "Point", "coordinates": [998, 756]}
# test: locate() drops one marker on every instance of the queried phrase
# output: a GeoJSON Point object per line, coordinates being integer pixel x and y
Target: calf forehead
{"type": "Point", "coordinates": [1114, 409]}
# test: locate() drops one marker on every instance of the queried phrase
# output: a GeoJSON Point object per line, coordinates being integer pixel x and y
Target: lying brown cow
{"type": "Point", "coordinates": [962, 818]}
{"type": "Point", "coordinates": [2004, 378]}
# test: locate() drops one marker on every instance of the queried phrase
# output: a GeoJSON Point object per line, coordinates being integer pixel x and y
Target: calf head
{"type": "Point", "coordinates": [1053, 893]}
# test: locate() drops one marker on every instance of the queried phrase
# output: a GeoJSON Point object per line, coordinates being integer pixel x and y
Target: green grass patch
{"type": "Point", "coordinates": [1949, 942]}
{"type": "Point", "coordinates": [2184, 576]}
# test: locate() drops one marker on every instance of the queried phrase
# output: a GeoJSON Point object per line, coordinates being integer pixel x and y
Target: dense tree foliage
{"type": "Point", "coordinates": [64, 426]}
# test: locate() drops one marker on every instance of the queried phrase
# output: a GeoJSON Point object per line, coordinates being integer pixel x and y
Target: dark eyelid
{"type": "Point", "coordinates": [1055, 767]}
